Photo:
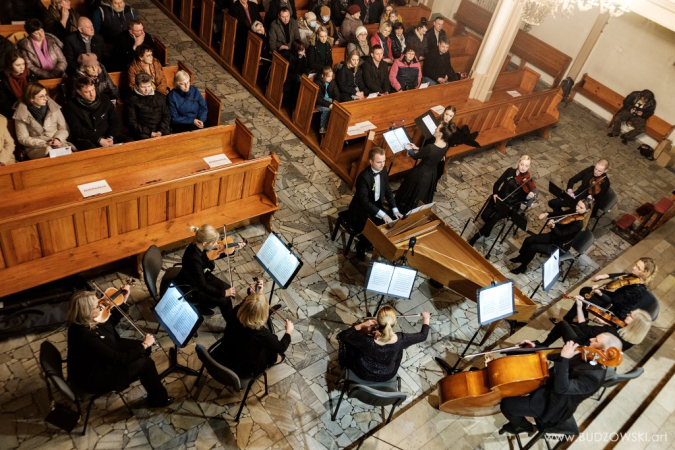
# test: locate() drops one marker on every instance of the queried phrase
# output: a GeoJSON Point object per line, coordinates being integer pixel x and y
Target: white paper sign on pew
{"type": "Point", "coordinates": [94, 188]}
{"type": "Point", "coordinates": [217, 160]}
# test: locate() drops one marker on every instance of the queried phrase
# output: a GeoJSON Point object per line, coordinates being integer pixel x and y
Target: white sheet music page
{"type": "Point", "coordinates": [278, 259]}
{"type": "Point", "coordinates": [402, 282]}
{"type": "Point", "coordinates": [496, 302]}
{"type": "Point", "coordinates": [429, 122]}
{"type": "Point", "coordinates": [551, 268]}
{"type": "Point", "coordinates": [380, 277]}
{"type": "Point", "coordinates": [177, 314]}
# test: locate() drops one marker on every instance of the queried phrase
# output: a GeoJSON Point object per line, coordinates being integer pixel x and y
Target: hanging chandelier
{"type": "Point", "coordinates": [535, 11]}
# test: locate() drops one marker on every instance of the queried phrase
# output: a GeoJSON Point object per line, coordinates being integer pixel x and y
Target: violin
{"type": "Point", "coordinates": [479, 392]}
{"type": "Point", "coordinates": [112, 298]}
{"type": "Point", "coordinates": [225, 246]}
{"type": "Point", "coordinates": [525, 181]}
{"type": "Point", "coordinates": [626, 280]}
{"type": "Point", "coordinates": [565, 220]}
{"type": "Point", "coordinates": [603, 313]}
{"type": "Point", "coordinates": [595, 185]}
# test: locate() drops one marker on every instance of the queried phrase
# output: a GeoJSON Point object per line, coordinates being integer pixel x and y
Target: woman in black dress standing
{"type": "Point", "coordinates": [420, 183]}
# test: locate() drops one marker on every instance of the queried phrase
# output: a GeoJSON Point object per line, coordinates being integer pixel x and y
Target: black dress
{"type": "Point", "coordinates": [420, 183]}
{"type": "Point", "coordinates": [620, 302]}
{"type": "Point", "coordinates": [371, 361]}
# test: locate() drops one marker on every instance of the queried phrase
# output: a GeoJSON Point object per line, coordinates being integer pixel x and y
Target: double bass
{"type": "Point", "coordinates": [479, 392]}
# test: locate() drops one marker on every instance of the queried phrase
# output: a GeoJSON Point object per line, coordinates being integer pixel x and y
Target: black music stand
{"type": "Point", "coordinates": [477, 215]}
{"type": "Point", "coordinates": [389, 280]}
{"type": "Point", "coordinates": [557, 192]}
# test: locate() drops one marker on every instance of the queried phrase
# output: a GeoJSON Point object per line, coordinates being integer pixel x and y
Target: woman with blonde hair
{"type": "Point", "coordinates": [377, 356]}
{"type": "Point", "coordinates": [207, 290]}
{"type": "Point", "coordinates": [349, 79]}
{"type": "Point", "coordinates": [382, 38]}
{"type": "Point", "coordinates": [99, 360]}
{"type": "Point", "coordinates": [248, 346]}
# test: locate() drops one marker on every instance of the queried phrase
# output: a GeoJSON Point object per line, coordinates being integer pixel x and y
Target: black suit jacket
{"type": "Point", "coordinates": [363, 205]}
{"type": "Point", "coordinates": [123, 52]}
{"type": "Point", "coordinates": [585, 177]}
{"type": "Point", "coordinates": [94, 125]}
{"type": "Point", "coordinates": [73, 46]}
{"type": "Point", "coordinates": [375, 77]}
{"type": "Point", "coordinates": [431, 37]}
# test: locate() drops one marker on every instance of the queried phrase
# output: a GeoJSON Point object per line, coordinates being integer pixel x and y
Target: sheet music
{"type": "Point", "coordinates": [380, 277]}
{"type": "Point", "coordinates": [391, 280]}
{"type": "Point", "coordinates": [277, 259]}
{"type": "Point", "coordinates": [397, 139]}
{"type": "Point", "coordinates": [551, 269]}
{"type": "Point", "coordinates": [495, 302]}
{"type": "Point", "coordinates": [402, 282]}
{"type": "Point", "coordinates": [429, 122]}
{"type": "Point", "coordinates": [178, 315]}
{"type": "Point", "coordinates": [438, 109]}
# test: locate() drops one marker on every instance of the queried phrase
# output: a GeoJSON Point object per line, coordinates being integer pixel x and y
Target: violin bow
{"type": "Point", "coordinates": [125, 315]}
{"type": "Point", "coordinates": [229, 264]}
{"type": "Point", "coordinates": [518, 188]}
{"type": "Point", "coordinates": [507, 349]}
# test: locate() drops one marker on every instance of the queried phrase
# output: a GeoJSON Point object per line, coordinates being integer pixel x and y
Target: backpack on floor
{"type": "Point", "coordinates": [646, 151]}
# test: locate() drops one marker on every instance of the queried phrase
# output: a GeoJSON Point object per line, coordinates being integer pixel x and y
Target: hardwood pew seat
{"type": "Point", "coordinates": [522, 81]}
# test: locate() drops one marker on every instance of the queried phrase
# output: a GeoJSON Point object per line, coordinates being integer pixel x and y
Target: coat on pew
{"type": "Point", "coordinates": [73, 47]}
{"type": "Point", "coordinates": [91, 122]}
{"type": "Point", "coordinates": [146, 114]}
{"type": "Point", "coordinates": [53, 25]}
{"type": "Point", "coordinates": [6, 143]}
{"type": "Point", "coordinates": [34, 136]}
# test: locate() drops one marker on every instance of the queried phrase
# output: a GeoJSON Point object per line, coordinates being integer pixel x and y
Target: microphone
{"type": "Point", "coordinates": [411, 244]}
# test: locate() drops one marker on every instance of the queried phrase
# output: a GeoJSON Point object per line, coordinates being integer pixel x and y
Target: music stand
{"type": "Point", "coordinates": [559, 193]}
{"type": "Point", "coordinates": [389, 280]}
{"type": "Point", "coordinates": [427, 124]}
{"type": "Point", "coordinates": [550, 272]}
{"type": "Point", "coordinates": [494, 302]}
{"type": "Point", "coordinates": [181, 320]}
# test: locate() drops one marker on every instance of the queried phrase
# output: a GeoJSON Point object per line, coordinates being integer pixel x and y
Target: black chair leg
{"type": "Point", "coordinates": [349, 244]}
{"type": "Point", "coordinates": [124, 400]}
{"type": "Point", "coordinates": [391, 413]}
{"type": "Point", "coordinates": [342, 394]}
{"type": "Point", "coordinates": [199, 377]}
{"type": "Point", "coordinates": [265, 377]}
{"type": "Point", "coordinates": [567, 272]}
{"type": "Point", "coordinates": [86, 419]}
{"type": "Point", "coordinates": [243, 401]}
{"type": "Point", "coordinates": [336, 228]}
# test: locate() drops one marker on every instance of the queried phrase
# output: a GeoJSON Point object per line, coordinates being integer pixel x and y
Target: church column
{"type": "Point", "coordinates": [588, 46]}
{"type": "Point", "coordinates": [495, 47]}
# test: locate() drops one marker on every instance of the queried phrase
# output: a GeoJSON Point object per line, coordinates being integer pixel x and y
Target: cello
{"type": "Point", "coordinates": [479, 392]}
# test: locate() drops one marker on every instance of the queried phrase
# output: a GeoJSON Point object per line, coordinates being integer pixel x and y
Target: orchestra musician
{"type": "Point", "coordinates": [572, 380]}
{"type": "Point", "coordinates": [374, 350]}
{"type": "Point", "coordinates": [515, 186]}
{"type": "Point", "coordinates": [99, 360]}
{"type": "Point", "coordinates": [562, 232]}
{"type": "Point", "coordinates": [372, 187]}
{"type": "Point", "coordinates": [248, 346]}
{"type": "Point", "coordinates": [594, 185]}
{"type": "Point", "coordinates": [623, 295]}
{"type": "Point", "coordinates": [207, 290]}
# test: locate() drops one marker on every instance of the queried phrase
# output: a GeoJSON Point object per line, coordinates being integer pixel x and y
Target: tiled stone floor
{"type": "Point", "coordinates": [325, 297]}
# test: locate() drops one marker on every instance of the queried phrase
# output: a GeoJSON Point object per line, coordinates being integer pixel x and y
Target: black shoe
{"type": "Point", "coordinates": [512, 429]}
{"type": "Point", "coordinates": [205, 311]}
{"type": "Point", "coordinates": [474, 239]}
{"type": "Point", "coordinates": [520, 269]}
{"type": "Point", "coordinates": [163, 404]}
{"type": "Point", "coordinates": [277, 307]}
{"type": "Point", "coordinates": [624, 141]}
{"type": "Point", "coordinates": [515, 259]}
{"type": "Point", "coordinates": [611, 134]}
{"type": "Point", "coordinates": [553, 320]}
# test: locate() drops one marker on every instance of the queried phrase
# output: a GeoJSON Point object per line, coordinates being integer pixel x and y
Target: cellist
{"type": "Point", "coordinates": [100, 361]}
{"type": "Point", "coordinates": [572, 380]}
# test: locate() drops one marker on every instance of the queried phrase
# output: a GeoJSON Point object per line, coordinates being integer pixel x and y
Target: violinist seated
{"type": "Point", "coordinates": [594, 185]}
{"type": "Point", "coordinates": [248, 346]}
{"type": "Point", "coordinates": [514, 187]}
{"type": "Point", "coordinates": [637, 325]}
{"type": "Point", "coordinates": [206, 290]}
{"type": "Point", "coordinates": [572, 380]}
{"type": "Point", "coordinates": [562, 233]}
{"type": "Point", "coordinates": [99, 360]}
{"type": "Point", "coordinates": [624, 294]}
{"type": "Point", "coordinates": [374, 350]}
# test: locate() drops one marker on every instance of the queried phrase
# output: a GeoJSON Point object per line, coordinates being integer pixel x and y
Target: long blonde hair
{"type": "Point", "coordinates": [205, 234]}
{"type": "Point", "coordinates": [254, 311]}
{"type": "Point", "coordinates": [386, 319]}
{"type": "Point", "coordinates": [80, 308]}
{"type": "Point", "coordinates": [650, 269]}
{"type": "Point", "coordinates": [588, 203]}
{"type": "Point", "coordinates": [638, 328]}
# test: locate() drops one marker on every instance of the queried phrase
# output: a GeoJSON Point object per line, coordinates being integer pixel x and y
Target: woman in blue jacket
{"type": "Point", "coordinates": [186, 105]}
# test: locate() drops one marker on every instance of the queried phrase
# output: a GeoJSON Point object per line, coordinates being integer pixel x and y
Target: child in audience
{"type": "Point", "coordinates": [406, 72]}
{"type": "Point", "coordinates": [146, 63]}
{"type": "Point", "coordinates": [328, 91]}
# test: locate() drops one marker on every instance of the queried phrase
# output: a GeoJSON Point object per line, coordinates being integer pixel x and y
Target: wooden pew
{"type": "Point", "coordinates": [227, 42]}
{"type": "Point", "coordinates": [13, 32]}
{"type": "Point", "coordinates": [413, 14]}
{"type": "Point", "coordinates": [48, 230]}
{"type": "Point", "coordinates": [206, 22]}
{"type": "Point", "coordinates": [612, 101]}
{"type": "Point", "coordinates": [537, 111]}
{"type": "Point", "coordinates": [523, 81]}
{"type": "Point", "coordinates": [306, 104]}
{"type": "Point", "coordinates": [339, 54]}
{"type": "Point", "coordinates": [275, 86]}
{"type": "Point", "coordinates": [527, 47]}
{"type": "Point", "coordinates": [463, 51]}
{"type": "Point", "coordinates": [252, 59]}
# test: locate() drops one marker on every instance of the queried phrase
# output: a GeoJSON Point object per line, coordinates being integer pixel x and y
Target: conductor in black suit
{"type": "Point", "coordinates": [372, 187]}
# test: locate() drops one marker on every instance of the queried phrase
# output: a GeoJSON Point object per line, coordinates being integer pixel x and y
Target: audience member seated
{"type": "Point", "coordinates": [21, 10]}
{"type": "Point", "coordinates": [147, 114]}
{"type": "Point", "coordinates": [257, 348]}
{"type": "Point", "coordinates": [398, 44]}
{"type": "Point", "coordinates": [371, 10]}
{"type": "Point", "coordinates": [39, 123]}
{"type": "Point", "coordinates": [84, 40]}
{"type": "Point", "coordinates": [638, 106]}
{"type": "Point", "coordinates": [297, 67]}
{"type": "Point", "coordinates": [360, 43]}
{"type": "Point", "coordinates": [259, 29]}
{"type": "Point", "coordinates": [417, 39]}
{"type": "Point", "coordinates": [325, 21]}
{"type": "Point", "coordinates": [306, 26]}
{"type": "Point", "coordinates": [406, 72]}
{"type": "Point", "coordinates": [42, 53]}
{"type": "Point", "coordinates": [437, 68]}
{"type": "Point", "coordinates": [6, 144]}
{"type": "Point", "coordinates": [246, 12]}
{"type": "Point", "coordinates": [274, 8]}
{"type": "Point", "coordinates": [5, 46]}
{"type": "Point", "coordinates": [374, 352]}
{"type": "Point", "coordinates": [390, 15]}
{"type": "Point", "coordinates": [328, 92]}
{"type": "Point", "coordinates": [111, 19]}
{"type": "Point", "coordinates": [349, 79]}
{"type": "Point", "coordinates": [351, 23]}
{"type": "Point", "coordinates": [91, 68]}
{"type": "Point", "coordinates": [320, 54]}
{"type": "Point", "coordinates": [435, 33]}
{"type": "Point", "coordinates": [186, 105]}
{"type": "Point", "coordinates": [338, 9]}
{"type": "Point", "coordinates": [283, 31]}
{"type": "Point", "coordinates": [14, 77]}
{"type": "Point", "coordinates": [146, 63]}
{"type": "Point", "coordinates": [60, 19]}
{"type": "Point", "coordinates": [382, 39]}
{"type": "Point", "coordinates": [126, 44]}
{"type": "Point", "coordinates": [92, 118]}
{"type": "Point", "coordinates": [376, 72]}
{"type": "Point", "coordinates": [318, 4]}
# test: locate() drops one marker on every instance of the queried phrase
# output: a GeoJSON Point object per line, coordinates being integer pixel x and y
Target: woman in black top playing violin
{"type": "Point", "coordinates": [99, 360]}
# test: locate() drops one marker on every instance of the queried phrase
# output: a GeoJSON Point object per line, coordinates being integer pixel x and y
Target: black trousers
{"type": "Point", "coordinates": [515, 409]}
{"type": "Point", "coordinates": [145, 369]}
{"type": "Point", "coordinates": [566, 331]}
{"type": "Point", "coordinates": [490, 217]}
{"type": "Point", "coordinates": [540, 243]}
{"type": "Point", "coordinates": [210, 301]}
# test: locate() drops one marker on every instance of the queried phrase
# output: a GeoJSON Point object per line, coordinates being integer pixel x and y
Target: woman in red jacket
{"type": "Point", "coordinates": [382, 38]}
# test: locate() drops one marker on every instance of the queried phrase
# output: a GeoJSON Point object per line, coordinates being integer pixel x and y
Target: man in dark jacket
{"type": "Point", "coordinates": [371, 10]}
{"type": "Point", "coordinates": [111, 19]}
{"type": "Point", "coordinates": [147, 114]}
{"type": "Point", "coordinates": [126, 43]}
{"type": "Point", "coordinates": [372, 187]}
{"type": "Point", "coordinates": [92, 118]}
{"type": "Point", "coordinates": [274, 7]}
{"type": "Point", "coordinates": [376, 72]}
{"type": "Point", "coordinates": [84, 40]}
{"type": "Point", "coordinates": [637, 108]}
{"type": "Point", "coordinates": [437, 68]}
{"type": "Point", "coordinates": [435, 33]}
{"type": "Point", "coordinates": [597, 174]}
{"type": "Point", "coordinates": [572, 381]}
{"type": "Point", "coordinates": [283, 32]}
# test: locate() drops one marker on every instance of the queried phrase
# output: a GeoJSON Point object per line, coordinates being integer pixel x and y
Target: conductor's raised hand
{"type": "Point", "coordinates": [289, 326]}
{"type": "Point", "coordinates": [569, 349]}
